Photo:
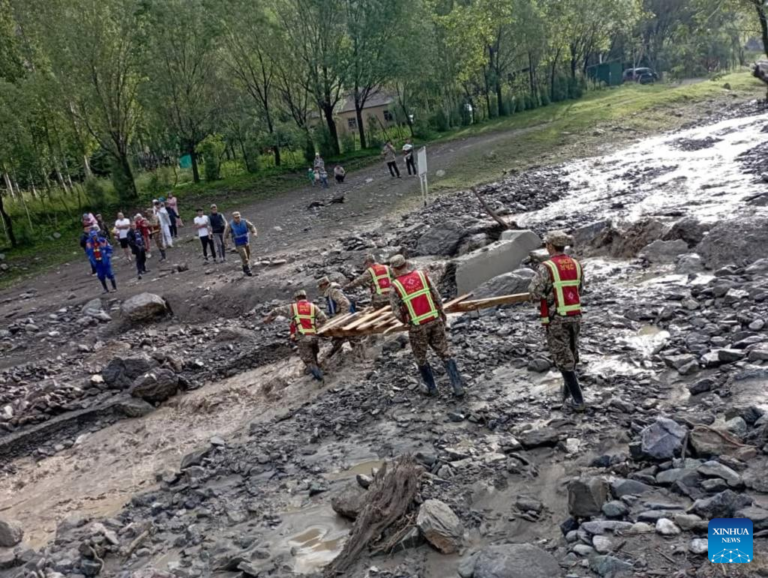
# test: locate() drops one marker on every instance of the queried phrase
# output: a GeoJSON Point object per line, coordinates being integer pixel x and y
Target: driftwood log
{"type": "Point", "coordinates": [389, 501]}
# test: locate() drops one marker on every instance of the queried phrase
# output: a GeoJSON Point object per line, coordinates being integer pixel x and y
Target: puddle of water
{"type": "Point", "coordinates": [649, 339]}
{"type": "Point", "coordinates": [656, 176]}
{"type": "Point", "coordinates": [364, 468]}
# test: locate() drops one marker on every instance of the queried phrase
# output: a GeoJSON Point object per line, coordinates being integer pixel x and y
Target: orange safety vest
{"type": "Point", "coordinates": [565, 274]}
{"type": "Point", "coordinates": [382, 279]}
{"type": "Point", "coordinates": [413, 289]}
{"type": "Point", "coordinates": [303, 318]}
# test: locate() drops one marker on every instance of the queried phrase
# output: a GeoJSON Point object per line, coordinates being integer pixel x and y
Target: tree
{"type": "Point", "coordinates": [182, 64]}
{"type": "Point", "coordinates": [317, 41]}
{"type": "Point", "coordinates": [761, 9]}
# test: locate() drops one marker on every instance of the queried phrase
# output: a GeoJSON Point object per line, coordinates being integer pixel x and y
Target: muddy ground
{"type": "Point", "coordinates": [236, 474]}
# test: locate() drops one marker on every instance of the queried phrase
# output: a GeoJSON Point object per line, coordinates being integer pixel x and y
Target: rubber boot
{"type": "Point", "coordinates": [316, 372]}
{"type": "Point", "coordinates": [566, 391]}
{"type": "Point", "coordinates": [247, 271]}
{"type": "Point", "coordinates": [104, 284]}
{"type": "Point", "coordinates": [572, 382]}
{"type": "Point", "coordinates": [429, 379]}
{"type": "Point", "coordinates": [455, 376]}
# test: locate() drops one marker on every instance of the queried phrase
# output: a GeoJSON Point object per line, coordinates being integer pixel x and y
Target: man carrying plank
{"type": "Point", "coordinates": [305, 318]}
{"type": "Point", "coordinates": [338, 304]}
{"type": "Point", "coordinates": [416, 303]}
{"type": "Point", "coordinates": [378, 278]}
{"type": "Point", "coordinates": [556, 289]}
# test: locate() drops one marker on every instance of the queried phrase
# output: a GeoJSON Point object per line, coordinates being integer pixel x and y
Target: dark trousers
{"type": "Point", "coordinates": [205, 242]}
{"type": "Point", "coordinates": [339, 179]}
{"type": "Point", "coordinates": [141, 261]}
{"type": "Point", "coordinates": [410, 164]}
{"type": "Point", "coordinates": [393, 170]}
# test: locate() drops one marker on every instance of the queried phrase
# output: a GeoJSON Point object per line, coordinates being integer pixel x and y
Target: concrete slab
{"type": "Point", "coordinates": [504, 256]}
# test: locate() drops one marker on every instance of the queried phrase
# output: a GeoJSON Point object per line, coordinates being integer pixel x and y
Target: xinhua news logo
{"type": "Point", "coordinates": [730, 541]}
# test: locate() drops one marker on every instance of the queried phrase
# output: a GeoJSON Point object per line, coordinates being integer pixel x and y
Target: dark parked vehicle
{"type": "Point", "coordinates": [640, 75]}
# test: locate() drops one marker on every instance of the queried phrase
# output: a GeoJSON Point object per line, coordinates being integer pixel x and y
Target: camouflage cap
{"type": "Point", "coordinates": [324, 281]}
{"type": "Point", "coordinates": [300, 294]}
{"type": "Point", "coordinates": [398, 262]}
{"type": "Point", "coordinates": [369, 258]}
{"type": "Point", "coordinates": [559, 239]}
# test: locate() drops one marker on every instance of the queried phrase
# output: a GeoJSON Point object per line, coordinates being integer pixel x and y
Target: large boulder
{"type": "Point", "coordinates": [156, 385]}
{"type": "Point", "coordinates": [123, 370]}
{"type": "Point", "coordinates": [708, 442]}
{"type": "Point", "coordinates": [11, 533]}
{"type": "Point", "coordinates": [505, 284]}
{"type": "Point", "coordinates": [630, 240]}
{"type": "Point", "coordinates": [690, 230]}
{"type": "Point", "coordinates": [722, 505]}
{"type": "Point", "coordinates": [585, 236]}
{"type": "Point", "coordinates": [586, 497]}
{"type": "Point", "coordinates": [664, 251]}
{"type": "Point", "coordinates": [350, 501]}
{"type": "Point", "coordinates": [144, 307]}
{"type": "Point", "coordinates": [440, 526]}
{"type": "Point", "coordinates": [442, 239]}
{"type": "Point", "coordinates": [663, 439]}
{"type": "Point", "coordinates": [723, 246]}
{"type": "Point", "coordinates": [514, 561]}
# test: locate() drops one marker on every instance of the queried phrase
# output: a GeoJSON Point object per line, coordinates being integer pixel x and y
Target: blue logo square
{"type": "Point", "coordinates": [730, 541]}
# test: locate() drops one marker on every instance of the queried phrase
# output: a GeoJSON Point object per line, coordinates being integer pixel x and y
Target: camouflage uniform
{"type": "Point", "coordinates": [562, 331]}
{"type": "Point", "coordinates": [308, 345]}
{"type": "Point", "coordinates": [156, 231]}
{"type": "Point", "coordinates": [366, 280]}
{"type": "Point", "coordinates": [422, 337]}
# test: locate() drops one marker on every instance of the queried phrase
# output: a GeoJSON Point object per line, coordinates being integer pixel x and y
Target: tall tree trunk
{"type": "Point", "coordinates": [333, 133]}
{"type": "Point", "coordinates": [359, 104]}
{"type": "Point", "coordinates": [552, 76]}
{"type": "Point", "coordinates": [193, 156]}
{"type": "Point", "coordinates": [8, 184]}
{"type": "Point", "coordinates": [499, 101]}
{"type": "Point", "coordinates": [763, 25]}
{"type": "Point", "coordinates": [278, 159]}
{"type": "Point", "coordinates": [122, 177]}
{"type": "Point", "coordinates": [7, 223]}
{"type": "Point", "coordinates": [532, 77]}
{"type": "Point", "coordinates": [87, 167]}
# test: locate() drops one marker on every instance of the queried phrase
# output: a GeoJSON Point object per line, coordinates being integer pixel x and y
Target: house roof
{"type": "Point", "coordinates": [376, 99]}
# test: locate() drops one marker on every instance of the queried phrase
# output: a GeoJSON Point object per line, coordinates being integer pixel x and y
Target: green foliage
{"type": "Point", "coordinates": [212, 150]}
{"type": "Point", "coordinates": [160, 180]}
{"type": "Point", "coordinates": [323, 142]}
{"type": "Point", "coordinates": [95, 192]}
{"type": "Point", "coordinates": [347, 142]}
{"type": "Point", "coordinates": [309, 150]}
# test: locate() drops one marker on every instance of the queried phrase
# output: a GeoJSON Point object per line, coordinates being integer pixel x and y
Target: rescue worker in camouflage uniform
{"type": "Point", "coordinates": [338, 304]}
{"type": "Point", "coordinates": [416, 302]}
{"type": "Point", "coordinates": [556, 289]}
{"type": "Point", "coordinates": [378, 278]}
{"type": "Point", "coordinates": [155, 230]}
{"type": "Point", "coordinates": [306, 318]}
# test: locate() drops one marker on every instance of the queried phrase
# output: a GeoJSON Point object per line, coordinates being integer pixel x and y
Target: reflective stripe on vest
{"type": "Point", "coordinates": [565, 274]}
{"type": "Point", "coordinates": [240, 233]}
{"type": "Point", "coordinates": [382, 279]}
{"type": "Point", "coordinates": [417, 297]}
{"type": "Point", "coordinates": [304, 317]}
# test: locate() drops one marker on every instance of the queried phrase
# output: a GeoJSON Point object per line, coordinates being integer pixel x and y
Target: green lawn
{"type": "Point", "coordinates": [554, 134]}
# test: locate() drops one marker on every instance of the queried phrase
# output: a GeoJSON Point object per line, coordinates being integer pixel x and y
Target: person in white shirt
{"type": "Point", "coordinates": [122, 226]}
{"type": "Point", "coordinates": [203, 226]}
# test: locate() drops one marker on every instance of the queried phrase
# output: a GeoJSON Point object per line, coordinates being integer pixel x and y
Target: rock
{"type": "Point", "coordinates": [685, 476]}
{"type": "Point", "coordinates": [756, 480]}
{"type": "Point", "coordinates": [730, 355]}
{"type": "Point", "coordinates": [688, 522]}
{"type": "Point", "coordinates": [539, 437]}
{"type": "Point", "coordinates": [714, 469]}
{"type": "Point", "coordinates": [602, 544]}
{"type": "Point", "coordinates": [586, 497]}
{"type": "Point", "coordinates": [122, 370]}
{"type": "Point", "coordinates": [737, 426]}
{"type": "Point", "coordinates": [615, 509]}
{"type": "Point", "coordinates": [609, 567]}
{"type": "Point", "coordinates": [11, 533]}
{"type": "Point", "coordinates": [156, 386]}
{"type": "Point", "coordinates": [666, 527]}
{"type": "Point", "coordinates": [584, 236]}
{"type": "Point", "coordinates": [699, 546]}
{"type": "Point", "coordinates": [621, 488]}
{"type": "Point", "coordinates": [8, 559]}
{"type": "Point", "coordinates": [515, 561]}
{"type": "Point", "coordinates": [721, 247]}
{"type": "Point", "coordinates": [663, 439]}
{"type": "Point", "coordinates": [722, 505]}
{"type": "Point", "coordinates": [145, 307]}
{"type": "Point", "coordinates": [539, 365]}
{"type": "Point", "coordinates": [440, 526]}
{"type": "Point", "coordinates": [442, 239]}
{"type": "Point", "coordinates": [95, 309]}
{"type": "Point", "coordinates": [679, 361]}
{"type": "Point", "coordinates": [707, 442]}
{"type": "Point", "coordinates": [664, 251]}
{"type": "Point", "coordinates": [759, 517]}
{"type": "Point", "coordinates": [350, 501]}
{"type": "Point", "coordinates": [134, 407]}
{"type": "Point", "coordinates": [689, 263]}
{"type": "Point", "coordinates": [760, 353]}
{"type": "Point", "coordinates": [229, 333]}
{"type": "Point", "coordinates": [505, 284]}
{"type": "Point", "coordinates": [701, 386]}
{"type": "Point", "coordinates": [689, 229]}
{"type": "Point", "coordinates": [196, 457]}
{"type": "Point", "coordinates": [599, 527]}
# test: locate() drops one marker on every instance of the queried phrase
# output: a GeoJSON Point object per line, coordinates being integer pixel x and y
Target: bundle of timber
{"type": "Point", "coordinates": [376, 321]}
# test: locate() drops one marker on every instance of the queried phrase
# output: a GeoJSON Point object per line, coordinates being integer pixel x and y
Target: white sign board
{"type": "Point", "coordinates": [421, 161]}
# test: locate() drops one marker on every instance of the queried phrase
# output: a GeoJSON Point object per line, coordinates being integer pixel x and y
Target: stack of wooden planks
{"type": "Point", "coordinates": [372, 322]}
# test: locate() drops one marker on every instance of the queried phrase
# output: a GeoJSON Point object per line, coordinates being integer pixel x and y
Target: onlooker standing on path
{"type": "Point", "coordinates": [218, 227]}
{"type": "Point", "coordinates": [388, 152]}
{"type": "Point", "coordinates": [100, 254]}
{"type": "Point", "coordinates": [142, 225]}
{"type": "Point", "coordinates": [136, 242]}
{"type": "Point", "coordinates": [156, 230]}
{"type": "Point", "coordinates": [172, 204]}
{"type": "Point", "coordinates": [339, 173]}
{"type": "Point", "coordinates": [311, 176]}
{"type": "Point", "coordinates": [203, 226]}
{"type": "Point", "coordinates": [323, 177]}
{"type": "Point", "coordinates": [102, 227]}
{"type": "Point", "coordinates": [123, 225]}
{"type": "Point", "coordinates": [84, 244]}
{"type": "Point", "coordinates": [88, 222]}
{"type": "Point", "coordinates": [165, 222]}
{"type": "Point", "coordinates": [240, 229]}
{"type": "Point", "coordinates": [319, 162]}
{"type": "Point", "coordinates": [410, 161]}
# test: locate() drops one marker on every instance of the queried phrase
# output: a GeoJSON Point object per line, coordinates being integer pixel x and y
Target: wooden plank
{"type": "Point", "coordinates": [336, 321]}
{"type": "Point", "coordinates": [453, 302]}
{"type": "Point", "coordinates": [491, 302]}
{"type": "Point", "coordinates": [362, 319]}
{"type": "Point", "coordinates": [386, 313]}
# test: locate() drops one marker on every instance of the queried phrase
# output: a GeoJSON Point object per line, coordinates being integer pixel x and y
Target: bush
{"type": "Point", "coordinates": [95, 192]}
{"type": "Point", "coordinates": [309, 150]}
{"type": "Point", "coordinates": [212, 149]}
{"type": "Point", "coordinates": [348, 144]}
{"type": "Point", "coordinates": [439, 121]}
{"type": "Point", "coordinates": [322, 138]}
{"type": "Point", "coordinates": [160, 180]}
